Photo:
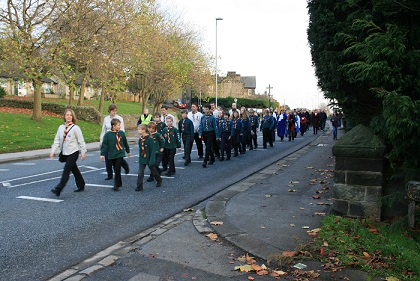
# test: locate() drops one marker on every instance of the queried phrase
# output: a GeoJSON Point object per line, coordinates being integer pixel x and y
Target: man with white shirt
{"type": "Point", "coordinates": [164, 112]}
{"type": "Point", "coordinates": [195, 117]}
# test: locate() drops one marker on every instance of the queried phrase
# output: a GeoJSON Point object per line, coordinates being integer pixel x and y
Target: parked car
{"type": "Point", "coordinates": [179, 104]}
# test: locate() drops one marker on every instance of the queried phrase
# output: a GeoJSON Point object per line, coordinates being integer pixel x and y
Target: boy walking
{"type": "Point", "coordinates": [159, 146]}
{"type": "Point", "coordinates": [186, 129]}
{"type": "Point", "coordinates": [173, 142]}
{"type": "Point", "coordinates": [146, 157]}
{"type": "Point", "coordinates": [209, 132]}
{"type": "Point", "coordinates": [115, 143]}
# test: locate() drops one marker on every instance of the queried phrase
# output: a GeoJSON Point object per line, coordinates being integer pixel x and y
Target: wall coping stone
{"type": "Point", "coordinates": [359, 142]}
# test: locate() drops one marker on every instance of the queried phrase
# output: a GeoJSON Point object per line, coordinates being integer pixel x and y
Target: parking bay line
{"type": "Point", "coordinates": [40, 199]}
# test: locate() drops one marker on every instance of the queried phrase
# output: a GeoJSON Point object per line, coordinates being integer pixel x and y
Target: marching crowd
{"type": "Point", "coordinates": [216, 133]}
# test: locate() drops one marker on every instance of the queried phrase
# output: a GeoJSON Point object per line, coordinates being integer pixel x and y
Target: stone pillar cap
{"type": "Point", "coordinates": [359, 142]}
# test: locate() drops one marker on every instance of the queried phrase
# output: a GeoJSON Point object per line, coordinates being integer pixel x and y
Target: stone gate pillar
{"type": "Point", "coordinates": [358, 175]}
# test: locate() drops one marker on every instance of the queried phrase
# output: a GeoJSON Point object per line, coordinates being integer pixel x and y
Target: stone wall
{"type": "Point", "coordinates": [358, 175]}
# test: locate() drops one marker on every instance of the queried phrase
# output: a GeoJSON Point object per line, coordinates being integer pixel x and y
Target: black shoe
{"type": "Point", "coordinates": [139, 189]}
{"type": "Point", "coordinates": [56, 191]}
{"type": "Point", "coordinates": [150, 179]}
{"type": "Point", "coordinates": [264, 147]}
{"type": "Point", "coordinates": [183, 157]}
{"type": "Point", "coordinates": [108, 178]}
{"type": "Point", "coordinates": [159, 184]}
{"type": "Point", "coordinates": [127, 171]}
{"type": "Point", "coordinates": [115, 188]}
{"type": "Point", "coordinates": [79, 189]}
{"type": "Point", "coordinates": [271, 145]}
{"type": "Point", "coordinates": [205, 165]}
{"type": "Point", "coordinates": [251, 148]}
{"type": "Point", "coordinates": [235, 155]}
{"type": "Point", "coordinates": [168, 174]}
{"type": "Point", "coordinates": [222, 158]}
{"type": "Point", "coordinates": [186, 163]}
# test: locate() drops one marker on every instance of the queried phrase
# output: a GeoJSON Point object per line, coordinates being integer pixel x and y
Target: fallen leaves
{"type": "Point", "coordinates": [188, 210]}
{"type": "Point", "coordinates": [216, 223]}
{"type": "Point", "coordinates": [252, 266]}
{"type": "Point", "coordinates": [212, 236]}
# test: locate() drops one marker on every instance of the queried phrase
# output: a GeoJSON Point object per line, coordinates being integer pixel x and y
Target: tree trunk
{"type": "Point", "coordinates": [82, 92]}
{"type": "Point", "coordinates": [102, 101]}
{"type": "Point", "coordinates": [71, 96]}
{"type": "Point", "coordinates": [37, 110]}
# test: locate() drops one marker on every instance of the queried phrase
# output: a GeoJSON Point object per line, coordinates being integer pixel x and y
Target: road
{"type": "Point", "coordinates": [42, 238]}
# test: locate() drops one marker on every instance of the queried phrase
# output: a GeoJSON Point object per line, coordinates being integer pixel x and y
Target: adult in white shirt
{"type": "Point", "coordinates": [164, 112]}
{"type": "Point", "coordinates": [232, 109]}
{"type": "Point", "coordinates": [69, 139]}
{"type": "Point", "coordinates": [195, 117]}
{"type": "Point", "coordinates": [106, 126]}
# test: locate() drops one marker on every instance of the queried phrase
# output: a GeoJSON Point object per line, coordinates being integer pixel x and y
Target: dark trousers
{"type": "Point", "coordinates": [187, 140]}
{"type": "Point", "coordinates": [236, 142]}
{"type": "Point", "coordinates": [140, 176]}
{"type": "Point", "coordinates": [158, 158]}
{"type": "Point", "coordinates": [109, 165]}
{"type": "Point", "coordinates": [267, 137]}
{"type": "Point", "coordinates": [315, 130]}
{"type": "Point", "coordinates": [199, 144]}
{"type": "Point", "coordinates": [254, 137]}
{"type": "Point", "coordinates": [169, 154]}
{"type": "Point", "coordinates": [225, 145]}
{"type": "Point", "coordinates": [71, 166]}
{"type": "Point", "coordinates": [116, 164]}
{"type": "Point", "coordinates": [244, 139]}
{"type": "Point", "coordinates": [209, 140]}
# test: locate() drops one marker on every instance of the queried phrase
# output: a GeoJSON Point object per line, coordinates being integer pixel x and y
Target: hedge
{"type": "Point", "coordinates": [85, 113]}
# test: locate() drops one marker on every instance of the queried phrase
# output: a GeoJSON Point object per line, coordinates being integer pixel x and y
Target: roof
{"type": "Point", "coordinates": [250, 82]}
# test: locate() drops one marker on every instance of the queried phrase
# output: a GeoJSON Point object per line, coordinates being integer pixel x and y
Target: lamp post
{"type": "Point", "coordinates": [217, 19]}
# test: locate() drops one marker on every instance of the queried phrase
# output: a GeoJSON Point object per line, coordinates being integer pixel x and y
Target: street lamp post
{"type": "Point", "coordinates": [215, 74]}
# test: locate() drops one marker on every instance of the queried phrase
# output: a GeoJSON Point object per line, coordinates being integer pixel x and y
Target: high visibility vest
{"type": "Point", "coordinates": [145, 120]}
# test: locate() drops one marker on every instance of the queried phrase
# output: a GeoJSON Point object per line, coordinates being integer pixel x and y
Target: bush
{"type": "Point", "coordinates": [2, 92]}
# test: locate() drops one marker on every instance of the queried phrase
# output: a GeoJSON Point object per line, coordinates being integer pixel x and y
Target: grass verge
{"type": "Point", "coordinates": [19, 133]}
{"type": "Point", "coordinates": [378, 248]}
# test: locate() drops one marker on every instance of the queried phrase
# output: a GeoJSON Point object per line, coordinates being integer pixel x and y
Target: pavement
{"type": "Point", "coordinates": [263, 215]}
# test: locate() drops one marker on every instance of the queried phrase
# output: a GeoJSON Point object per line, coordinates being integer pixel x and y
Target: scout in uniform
{"type": "Point", "coordinates": [115, 143]}
{"type": "Point", "coordinates": [225, 133]}
{"type": "Point", "coordinates": [236, 132]}
{"type": "Point", "coordinates": [173, 142]}
{"type": "Point", "coordinates": [253, 119]}
{"type": "Point", "coordinates": [246, 130]}
{"type": "Point", "coordinates": [159, 146]}
{"type": "Point", "coordinates": [266, 125]}
{"type": "Point", "coordinates": [186, 129]}
{"type": "Point", "coordinates": [146, 157]}
{"type": "Point", "coordinates": [209, 132]}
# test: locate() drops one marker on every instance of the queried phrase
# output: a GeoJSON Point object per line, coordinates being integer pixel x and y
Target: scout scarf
{"type": "Point", "coordinates": [169, 134]}
{"type": "Point", "coordinates": [118, 144]}
{"type": "Point", "coordinates": [143, 149]}
{"type": "Point", "coordinates": [67, 130]}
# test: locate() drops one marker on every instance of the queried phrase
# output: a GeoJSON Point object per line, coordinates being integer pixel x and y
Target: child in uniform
{"type": "Point", "coordinates": [254, 127]}
{"type": "Point", "coordinates": [173, 142]}
{"type": "Point", "coordinates": [159, 146]}
{"type": "Point", "coordinates": [115, 143]}
{"type": "Point", "coordinates": [147, 157]}
{"type": "Point", "coordinates": [225, 133]}
{"type": "Point", "coordinates": [236, 133]}
{"type": "Point", "coordinates": [186, 129]}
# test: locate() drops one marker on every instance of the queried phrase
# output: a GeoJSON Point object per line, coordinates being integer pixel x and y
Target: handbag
{"type": "Point", "coordinates": [62, 158]}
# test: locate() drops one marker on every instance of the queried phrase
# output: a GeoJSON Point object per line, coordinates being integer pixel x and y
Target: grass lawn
{"type": "Point", "coordinates": [19, 133]}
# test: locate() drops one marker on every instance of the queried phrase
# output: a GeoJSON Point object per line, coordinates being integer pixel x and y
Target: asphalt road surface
{"type": "Point", "coordinates": [42, 235]}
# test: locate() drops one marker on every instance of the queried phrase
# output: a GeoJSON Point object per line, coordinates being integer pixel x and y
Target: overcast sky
{"type": "Point", "coordinates": [265, 38]}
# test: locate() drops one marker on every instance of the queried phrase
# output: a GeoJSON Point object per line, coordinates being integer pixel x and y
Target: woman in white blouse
{"type": "Point", "coordinates": [69, 139]}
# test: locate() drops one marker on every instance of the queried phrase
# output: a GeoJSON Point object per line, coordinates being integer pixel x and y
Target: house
{"type": "Point", "coordinates": [236, 86]}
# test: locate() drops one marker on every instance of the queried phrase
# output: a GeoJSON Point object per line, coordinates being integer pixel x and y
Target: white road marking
{"type": "Point", "coordinates": [40, 199]}
{"type": "Point", "coordinates": [6, 184]}
{"type": "Point", "coordinates": [4, 170]}
{"type": "Point", "coordinates": [90, 167]}
{"type": "Point", "coordinates": [32, 176]}
{"type": "Point", "coordinates": [24, 164]}
{"type": "Point", "coordinates": [99, 185]}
